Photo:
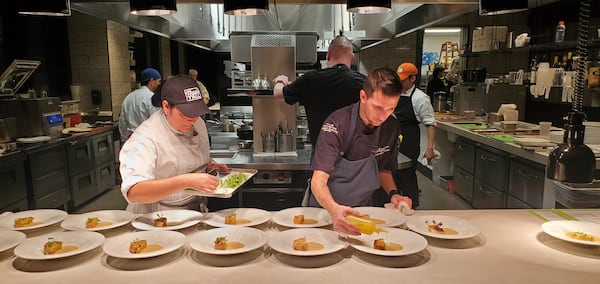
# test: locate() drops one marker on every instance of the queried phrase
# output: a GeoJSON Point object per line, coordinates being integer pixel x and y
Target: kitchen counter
{"type": "Point", "coordinates": [512, 248]}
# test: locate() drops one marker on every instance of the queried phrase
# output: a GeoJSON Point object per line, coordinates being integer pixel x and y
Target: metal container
{"type": "Point", "coordinates": [8, 129]}
{"type": "Point", "coordinates": [285, 142]}
{"type": "Point", "coordinates": [439, 101]}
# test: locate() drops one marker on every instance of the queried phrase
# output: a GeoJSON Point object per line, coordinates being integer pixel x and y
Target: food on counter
{"type": "Point", "coordinates": [583, 236]}
{"type": "Point", "coordinates": [161, 221]}
{"type": "Point", "coordinates": [379, 244]}
{"type": "Point", "coordinates": [137, 246]}
{"type": "Point", "coordinates": [221, 243]}
{"type": "Point", "coordinates": [233, 180]}
{"type": "Point", "coordinates": [231, 219]}
{"type": "Point", "coordinates": [436, 227]}
{"type": "Point", "coordinates": [92, 222]}
{"type": "Point", "coordinates": [52, 246]}
{"type": "Point", "coordinates": [23, 222]}
{"type": "Point", "coordinates": [298, 219]}
{"type": "Point", "coordinates": [300, 244]}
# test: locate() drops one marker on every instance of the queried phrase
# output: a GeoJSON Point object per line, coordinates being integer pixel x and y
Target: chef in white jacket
{"type": "Point", "coordinates": [170, 152]}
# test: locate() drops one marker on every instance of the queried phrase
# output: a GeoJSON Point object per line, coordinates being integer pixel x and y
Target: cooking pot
{"type": "Point", "coordinates": [474, 75]}
{"type": "Point", "coordinates": [8, 129]}
{"type": "Point", "coordinates": [245, 134]}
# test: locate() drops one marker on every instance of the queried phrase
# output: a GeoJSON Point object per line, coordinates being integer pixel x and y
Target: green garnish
{"type": "Point", "coordinates": [221, 239]}
{"type": "Point", "coordinates": [233, 180]}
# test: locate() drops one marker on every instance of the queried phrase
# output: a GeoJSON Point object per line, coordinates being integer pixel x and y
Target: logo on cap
{"type": "Point", "coordinates": [192, 94]}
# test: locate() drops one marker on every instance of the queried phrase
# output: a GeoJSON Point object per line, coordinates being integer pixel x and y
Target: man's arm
{"type": "Point", "coordinates": [280, 82]}
{"type": "Point", "coordinates": [319, 188]}
{"type": "Point", "coordinates": [154, 190]}
{"type": "Point", "coordinates": [429, 153]}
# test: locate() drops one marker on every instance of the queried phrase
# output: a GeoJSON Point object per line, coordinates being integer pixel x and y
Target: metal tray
{"type": "Point", "coordinates": [225, 192]}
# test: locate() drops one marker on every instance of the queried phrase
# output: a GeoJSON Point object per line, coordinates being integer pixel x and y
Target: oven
{"type": "Point", "coordinates": [269, 190]}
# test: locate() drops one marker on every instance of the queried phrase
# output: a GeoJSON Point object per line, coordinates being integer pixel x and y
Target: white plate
{"type": "Point", "coordinates": [286, 217]}
{"type": "Point", "coordinates": [10, 239]}
{"type": "Point", "coordinates": [84, 241]}
{"type": "Point", "coordinates": [411, 242]}
{"type": "Point", "coordinates": [46, 216]}
{"type": "Point", "coordinates": [251, 238]}
{"type": "Point", "coordinates": [559, 229]}
{"type": "Point", "coordinates": [256, 217]}
{"type": "Point", "coordinates": [390, 217]}
{"type": "Point", "coordinates": [173, 216]}
{"type": "Point", "coordinates": [531, 141]}
{"type": "Point", "coordinates": [283, 241]}
{"type": "Point", "coordinates": [119, 246]}
{"type": "Point", "coordinates": [116, 217]}
{"type": "Point", "coordinates": [465, 229]}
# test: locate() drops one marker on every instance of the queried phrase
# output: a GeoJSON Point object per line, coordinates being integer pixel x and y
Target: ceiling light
{"type": "Point", "coordinates": [441, 31]}
{"type": "Point", "coordinates": [497, 7]}
{"type": "Point", "coordinates": [245, 8]}
{"type": "Point", "coordinates": [152, 7]}
{"type": "Point", "coordinates": [369, 6]}
{"type": "Point", "coordinates": [44, 8]}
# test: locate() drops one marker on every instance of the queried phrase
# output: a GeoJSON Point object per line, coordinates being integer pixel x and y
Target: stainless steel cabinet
{"type": "Point", "coordinates": [526, 182]}
{"type": "Point", "coordinates": [464, 167]}
{"type": "Point", "coordinates": [463, 184]}
{"type": "Point", "coordinates": [12, 179]}
{"type": "Point", "coordinates": [491, 167]}
{"type": "Point", "coordinates": [46, 171]}
{"type": "Point", "coordinates": [487, 197]}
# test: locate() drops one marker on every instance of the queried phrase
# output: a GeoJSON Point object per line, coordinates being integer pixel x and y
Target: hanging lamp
{"type": "Point", "coordinates": [369, 6]}
{"type": "Point", "coordinates": [245, 8]}
{"type": "Point", "coordinates": [152, 7]}
{"type": "Point", "coordinates": [61, 8]}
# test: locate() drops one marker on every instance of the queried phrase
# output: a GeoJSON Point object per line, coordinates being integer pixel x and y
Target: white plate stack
{"type": "Point", "coordinates": [592, 133]}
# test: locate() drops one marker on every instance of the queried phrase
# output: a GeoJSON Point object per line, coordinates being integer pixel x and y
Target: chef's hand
{"type": "Point", "coordinates": [282, 78]}
{"type": "Point", "coordinates": [429, 155]}
{"type": "Point", "coordinates": [397, 198]}
{"type": "Point", "coordinates": [215, 168]}
{"type": "Point", "coordinates": [200, 181]}
{"type": "Point", "coordinates": [340, 223]}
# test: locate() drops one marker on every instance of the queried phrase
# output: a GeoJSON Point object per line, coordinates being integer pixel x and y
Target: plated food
{"type": "Point", "coordinates": [306, 242]}
{"type": "Point", "coordinates": [445, 227]}
{"type": "Point", "coordinates": [97, 220]}
{"type": "Point", "coordinates": [396, 242]}
{"type": "Point", "coordinates": [302, 217]}
{"type": "Point", "coordinates": [579, 232]}
{"type": "Point", "coordinates": [144, 244]}
{"type": "Point", "coordinates": [10, 239]}
{"type": "Point", "coordinates": [59, 245]}
{"type": "Point", "coordinates": [233, 217]}
{"type": "Point", "coordinates": [167, 220]}
{"type": "Point", "coordinates": [228, 184]}
{"type": "Point", "coordinates": [31, 219]}
{"type": "Point", "coordinates": [382, 217]}
{"type": "Point", "coordinates": [231, 240]}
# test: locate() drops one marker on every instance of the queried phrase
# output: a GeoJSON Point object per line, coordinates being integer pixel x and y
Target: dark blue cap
{"type": "Point", "coordinates": [149, 74]}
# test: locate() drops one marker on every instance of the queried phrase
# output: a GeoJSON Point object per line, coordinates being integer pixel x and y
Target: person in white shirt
{"type": "Point", "coordinates": [205, 96]}
{"type": "Point", "coordinates": [137, 105]}
{"type": "Point", "coordinates": [414, 108]}
{"type": "Point", "coordinates": [169, 153]}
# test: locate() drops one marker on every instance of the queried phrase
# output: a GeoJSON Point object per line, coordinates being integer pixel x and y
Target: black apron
{"type": "Point", "coordinates": [406, 179]}
{"type": "Point", "coordinates": [352, 183]}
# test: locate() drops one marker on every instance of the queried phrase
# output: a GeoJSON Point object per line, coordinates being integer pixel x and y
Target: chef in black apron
{"type": "Point", "coordinates": [414, 107]}
{"type": "Point", "coordinates": [357, 151]}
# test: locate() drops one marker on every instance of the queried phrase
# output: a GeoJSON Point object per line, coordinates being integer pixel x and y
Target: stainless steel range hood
{"type": "Point", "coordinates": [202, 22]}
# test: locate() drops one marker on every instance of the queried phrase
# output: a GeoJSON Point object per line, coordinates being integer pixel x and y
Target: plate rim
{"type": "Point", "coordinates": [264, 240]}
{"type": "Point", "coordinates": [292, 225]}
{"type": "Point", "coordinates": [567, 239]}
{"type": "Point", "coordinates": [60, 216]}
{"type": "Point", "coordinates": [114, 225]}
{"type": "Point", "coordinates": [402, 216]}
{"type": "Point", "coordinates": [99, 242]}
{"type": "Point", "coordinates": [412, 226]}
{"type": "Point", "coordinates": [307, 253]}
{"type": "Point", "coordinates": [369, 250]}
{"type": "Point", "coordinates": [267, 217]}
{"type": "Point", "coordinates": [131, 235]}
{"type": "Point", "coordinates": [187, 224]}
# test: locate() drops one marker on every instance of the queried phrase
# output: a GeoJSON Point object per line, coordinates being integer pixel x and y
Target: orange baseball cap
{"type": "Point", "coordinates": [407, 69]}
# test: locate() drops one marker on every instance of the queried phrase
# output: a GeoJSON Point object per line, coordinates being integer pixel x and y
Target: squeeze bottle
{"type": "Point", "coordinates": [365, 225]}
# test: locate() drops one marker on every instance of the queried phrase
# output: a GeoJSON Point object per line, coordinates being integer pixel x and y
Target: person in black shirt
{"type": "Point", "coordinates": [436, 84]}
{"type": "Point", "coordinates": [321, 92]}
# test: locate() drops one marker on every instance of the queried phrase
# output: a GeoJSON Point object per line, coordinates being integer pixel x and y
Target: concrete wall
{"type": "Point", "coordinates": [118, 37]}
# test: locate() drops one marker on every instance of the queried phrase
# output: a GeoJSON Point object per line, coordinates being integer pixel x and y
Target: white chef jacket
{"type": "Point", "coordinates": [421, 106]}
{"type": "Point", "coordinates": [157, 151]}
{"type": "Point", "coordinates": [137, 107]}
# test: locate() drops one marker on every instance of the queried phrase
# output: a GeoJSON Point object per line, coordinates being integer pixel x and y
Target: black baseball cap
{"type": "Point", "coordinates": [183, 92]}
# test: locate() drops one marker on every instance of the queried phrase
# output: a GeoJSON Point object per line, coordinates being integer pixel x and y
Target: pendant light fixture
{"type": "Point", "coordinates": [498, 7]}
{"type": "Point", "coordinates": [245, 8]}
{"type": "Point", "coordinates": [152, 7]}
{"type": "Point", "coordinates": [61, 8]}
{"type": "Point", "coordinates": [369, 6]}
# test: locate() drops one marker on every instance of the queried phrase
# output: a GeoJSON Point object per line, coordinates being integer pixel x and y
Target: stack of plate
{"type": "Point", "coordinates": [592, 132]}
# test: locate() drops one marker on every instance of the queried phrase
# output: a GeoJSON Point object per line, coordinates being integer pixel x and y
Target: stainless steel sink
{"type": "Point", "coordinates": [223, 154]}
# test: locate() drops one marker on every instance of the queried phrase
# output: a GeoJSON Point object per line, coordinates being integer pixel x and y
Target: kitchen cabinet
{"type": "Point", "coordinates": [464, 167]}
{"type": "Point", "coordinates": [491, 171]}
{"type": "Point", "coordinates": [526, 182]}
{"type": "Point", "coordinates": [14, 186]}
{"type": "Point", "coordinates": [47, 176]}
{"type": "Point", "coordinates": [91, 166]}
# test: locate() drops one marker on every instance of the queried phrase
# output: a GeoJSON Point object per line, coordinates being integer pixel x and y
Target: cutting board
{"type": "Point", "coordinates": [473, 126]}
{"type": "Point", "coordinates": [503, 137]}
